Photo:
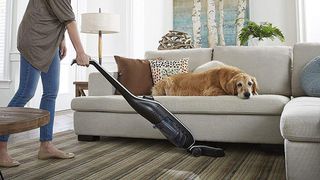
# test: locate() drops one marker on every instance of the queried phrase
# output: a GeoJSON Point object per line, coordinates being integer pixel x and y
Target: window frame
{"type": "Point", "coordinates": [5, 82]}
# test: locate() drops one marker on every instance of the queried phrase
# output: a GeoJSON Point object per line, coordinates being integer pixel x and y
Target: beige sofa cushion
{"type": "Point", "coordinates": [300, 120]}
{"type": "Point", "coordinates": [98, 85]}
{"type": "Point", "coordinates": [270, 65]}
{"type": "Point", "coordinates": [204, 127]}
{"type": "Point", "coordinates": [196, 56]}
{"type": "Point", "coordinates": [224, 105]}
{"type": "Point", "coordinates": [302, 54]}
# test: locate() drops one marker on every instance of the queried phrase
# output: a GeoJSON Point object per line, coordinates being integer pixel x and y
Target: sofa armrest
{"type": "Point", "coordinates": [99, 86]}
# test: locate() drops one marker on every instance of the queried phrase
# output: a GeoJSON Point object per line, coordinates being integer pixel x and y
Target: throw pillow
{"type": "Point", "coordinates": [310, 77]}
{"type": "Point", "coordinates": [164, 68]}
{"type": "Point", "coordinates": [208, 65]}
{"type": "Point", "coordinates": [135, 75]}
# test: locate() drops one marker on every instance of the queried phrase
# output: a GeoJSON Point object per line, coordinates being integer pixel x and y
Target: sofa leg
{"type": "Point", "coordinates": [88, 138]}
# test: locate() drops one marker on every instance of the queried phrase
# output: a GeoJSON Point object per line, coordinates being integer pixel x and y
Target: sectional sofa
{"type": "Point", "coordinates": [279, 114]}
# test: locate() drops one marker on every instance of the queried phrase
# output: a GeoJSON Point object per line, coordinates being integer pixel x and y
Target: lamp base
{"type": "Point", "coordinates": [100, 61]}
{"type": "Point", "coordinates": [100, 47]}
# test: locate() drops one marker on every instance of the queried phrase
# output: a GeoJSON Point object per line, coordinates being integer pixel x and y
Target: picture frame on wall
{"type": "Point", "coordinates": [211, 22]}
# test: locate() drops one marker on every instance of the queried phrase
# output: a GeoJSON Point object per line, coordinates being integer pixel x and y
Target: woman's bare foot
{"type": "Point", "coordinates": [48, 151]}
{"type": "Point", "coordinates": [5, 159]}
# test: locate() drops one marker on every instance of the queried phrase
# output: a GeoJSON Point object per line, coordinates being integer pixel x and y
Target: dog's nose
{"type": "Point", "coordinates": [246, 94]}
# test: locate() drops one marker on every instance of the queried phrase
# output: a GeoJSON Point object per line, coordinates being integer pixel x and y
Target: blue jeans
{"type": "Point", "coordinates": [29, 77]}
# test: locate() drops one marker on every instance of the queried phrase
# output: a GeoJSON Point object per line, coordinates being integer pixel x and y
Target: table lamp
{"type": "Point", "coordinates": [100, 23]}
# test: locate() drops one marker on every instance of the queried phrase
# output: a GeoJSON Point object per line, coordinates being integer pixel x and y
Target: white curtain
{"type": "Point", "coordinates": [308, 20]}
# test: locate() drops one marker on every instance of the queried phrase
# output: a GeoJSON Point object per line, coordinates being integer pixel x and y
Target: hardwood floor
{"type": "Point", "coordinates": [63, 122]}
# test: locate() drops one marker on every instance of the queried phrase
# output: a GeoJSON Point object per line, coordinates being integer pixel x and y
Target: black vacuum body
{"type": "Point", "coordinates": [161, 118]}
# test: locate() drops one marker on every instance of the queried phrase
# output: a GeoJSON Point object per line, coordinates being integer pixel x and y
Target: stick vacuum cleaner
{"type": "Point", "coordinates": [161, 118]}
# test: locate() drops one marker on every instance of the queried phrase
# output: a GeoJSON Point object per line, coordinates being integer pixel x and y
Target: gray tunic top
{"type": "Point", "coordinates": [42, 30]}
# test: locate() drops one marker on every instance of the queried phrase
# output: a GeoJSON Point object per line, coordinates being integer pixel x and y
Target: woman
{"type": "Point", "coordinates": [42, 46]}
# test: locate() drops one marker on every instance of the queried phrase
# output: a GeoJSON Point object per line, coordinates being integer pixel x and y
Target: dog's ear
{"type": "Point", "coordinates": [231, 87]}
{"type": "Point", "coordinates": [255, 86]}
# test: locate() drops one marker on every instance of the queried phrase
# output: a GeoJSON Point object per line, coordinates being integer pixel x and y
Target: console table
{"type": "Point", "coordinates": [80, 87]}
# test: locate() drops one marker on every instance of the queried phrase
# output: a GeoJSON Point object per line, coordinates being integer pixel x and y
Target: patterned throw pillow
{"type": "Point", "coordinates": [164, 68]}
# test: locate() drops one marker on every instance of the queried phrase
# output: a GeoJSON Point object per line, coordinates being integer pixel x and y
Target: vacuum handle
{"type": "Point", "coordinates": [115, 83]}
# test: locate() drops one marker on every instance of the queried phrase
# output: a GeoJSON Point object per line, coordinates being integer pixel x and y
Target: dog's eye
{"type": "Point", "coordinates": [239, 85]}
{"type": "Point", "coordinates": [250, 83]}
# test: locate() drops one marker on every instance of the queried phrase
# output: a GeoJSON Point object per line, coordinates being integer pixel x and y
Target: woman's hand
{"type": "Point", "coordinates": [62, 49]}
{"type": "Point", "coordinates": [82, 59]}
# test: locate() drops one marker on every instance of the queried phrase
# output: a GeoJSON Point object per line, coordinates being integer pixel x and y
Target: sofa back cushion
{"type": "Point", "coordinates": [196, 56]}
{"type": "Point", "coordinates": [98, 85]}
{"type": "Point", "coordinates": [303, 53]}
{"type": "Point", "coordinates": [270, 65]}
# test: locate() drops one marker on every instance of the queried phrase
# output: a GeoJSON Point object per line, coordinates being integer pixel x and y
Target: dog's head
{"type": "Point", "coordinates": [242, 85]}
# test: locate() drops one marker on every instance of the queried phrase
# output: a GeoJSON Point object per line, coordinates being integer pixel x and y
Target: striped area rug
{"type": "Point", "coordinates": [119, 158]}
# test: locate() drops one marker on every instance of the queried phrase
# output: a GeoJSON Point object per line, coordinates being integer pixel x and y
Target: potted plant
{"type": "Point", "coordinates": [260, 32]}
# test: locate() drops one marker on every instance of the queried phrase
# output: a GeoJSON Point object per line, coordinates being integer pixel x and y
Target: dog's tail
{"type": "Point", "coordinates": [161, 88]}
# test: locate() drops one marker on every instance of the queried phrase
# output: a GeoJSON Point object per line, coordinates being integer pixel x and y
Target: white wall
{"type": "Point", "coordinates": [158, 21]}
{"type": "Point", "coordinates": [150, 21]}
{"type": "Point", "coordinates": [143, 23]}
{"type": "Point", "coordinates": [281, 13]}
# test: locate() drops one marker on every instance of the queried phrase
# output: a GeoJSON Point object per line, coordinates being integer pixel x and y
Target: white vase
{"type": "Point", "coordinates": [253, 42]}
{"type": "Point", "coordinates": [264, 42]}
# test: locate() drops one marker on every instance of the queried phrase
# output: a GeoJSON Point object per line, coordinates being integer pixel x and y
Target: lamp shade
{"type": "Point", "coordinates": [104, 22]}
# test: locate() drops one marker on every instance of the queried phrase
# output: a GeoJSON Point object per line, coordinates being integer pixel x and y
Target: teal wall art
{"type": "Point", "coordinates": [211, 22]}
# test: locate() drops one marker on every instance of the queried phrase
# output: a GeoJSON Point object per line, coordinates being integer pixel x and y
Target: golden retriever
{"type": "Point", "coordinates": [221, 80]}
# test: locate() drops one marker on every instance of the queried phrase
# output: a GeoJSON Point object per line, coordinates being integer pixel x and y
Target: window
{"type": "Point", "coordinates": [3, 25]}
{"type": "Point", "coordinates": [309, 20]}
